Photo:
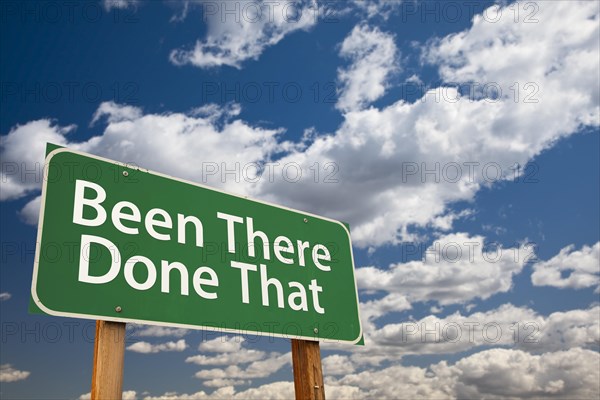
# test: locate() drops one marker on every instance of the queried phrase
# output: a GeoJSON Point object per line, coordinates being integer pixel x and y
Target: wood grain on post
{"type": "Point", "coordinates": [109, 352]}
{"type": "Point", "coordinates": [308, 375]}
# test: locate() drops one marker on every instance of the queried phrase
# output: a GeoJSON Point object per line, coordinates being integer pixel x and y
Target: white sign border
{"type": "Point", "coordinates": [176, 325]}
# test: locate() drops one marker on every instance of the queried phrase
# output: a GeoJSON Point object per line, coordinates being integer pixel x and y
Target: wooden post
{"type": "Point", "coordinates": [308, 375]}
{"type": "Point", "coordinates": [109, 352]}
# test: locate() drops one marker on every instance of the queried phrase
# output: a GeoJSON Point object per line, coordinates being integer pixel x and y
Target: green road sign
{"type": "Point", "coordinates": [125, 244]}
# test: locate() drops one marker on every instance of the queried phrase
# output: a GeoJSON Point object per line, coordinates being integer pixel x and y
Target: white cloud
{"type": "Point", "coordinates": [501, 373]}
{"type": "Point", "coordinates": [275, 390]}
{"type": "Point", "coordinates": [146, 348]}
{"type": "Point", "coordinates": [242, 356]}
{"type": "Point", "coordinates": [374, 309]}
{"type": "Point", "coordinates": [116, 113]}
{"type": "Point", "coordinates": [435, 309]}
{"type": "Point", "coordinates": [376, 8]}
{"type": "Point", "coordinates": [214, 111]}
{"type": "Point", "coordinates": [388, 383]}
{"type": "Point", "coordinates": [208, 135]}
{"type": "Point", "coordinates": [582, 268]}
{"type": "Point", "coordinates": [508, 326]}
{"type": "Point", "coordinates": [231, 353]}
{"type": "Point", "coordinates": [246, 32]}
{"type": "Point", "coordinates": [493, 374]}
{"type": "Point", "coordinates": [269, 391]}
{"type": "Point", "coordinates": [119, 4]}
{"type": "Point", "coordinates": [9, 374]}
{"type": "Point", "coordinates": [126, 395]}
{"type": "Point", "coordinates": [31, 212]}
{"type": "Point", "coordinates": [559, 55]}
{"type": "Point", "coordinates": [506, 52]}
{"type": "Point", "coordinates": [375, 150]}
{"type": "Point", "coordinates": [337, 365]}
{"type": "Point", "coordinates": [5, 296]}
{"type": "Point", "coordinates": [342, 392]}
{"type": "Point", "coordinates": [257, 369]}
{"type": "Point", "coordinates": [129, 395]}
{"type": "Point", "coordinates": [505, 326]}
{"type": "Point", "coordinates": [158, 331]}
{"type": "Point", "coordinates": [181, 10]}
{"type": "Point", "coordinates": [222, 344]}
{"type": "Point", "coordinates": [456, 268]}
{"type": "Point", "coordinates": [22, 153]}
{"type": "Point", "coordinates": [373, 59]}
{"type": "Point", "coordinates": [223, 382]}
{"type": "Point", "coordinates": [564, 330]}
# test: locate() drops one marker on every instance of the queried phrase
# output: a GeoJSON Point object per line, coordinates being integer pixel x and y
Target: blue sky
{"type": "Point", "coordinates": [417, 112]}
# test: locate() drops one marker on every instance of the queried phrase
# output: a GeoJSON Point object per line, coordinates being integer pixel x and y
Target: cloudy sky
{"type": "Point", "coordinates": [458, 139]}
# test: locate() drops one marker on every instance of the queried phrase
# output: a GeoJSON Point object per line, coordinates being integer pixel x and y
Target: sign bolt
{"type": "Point", "coordinates": [305, 220]}
{"type": "Point", "coordinates": [118, 309]}
{"type": "Point", "coordinates": [125, 173]}
{"type": "Point", "coordinates": [316, 330]}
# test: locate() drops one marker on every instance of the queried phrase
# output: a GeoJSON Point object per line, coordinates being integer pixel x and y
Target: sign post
{"type": "Point", "coordinates": [109, 353]}
{"type": "Point", "coordinates": [308, 374]}
{"type": "Point", "coordinates": [122, 244]}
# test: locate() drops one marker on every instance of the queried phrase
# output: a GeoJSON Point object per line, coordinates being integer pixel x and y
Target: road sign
{"type": "Point", "coordinates": [125, 244]}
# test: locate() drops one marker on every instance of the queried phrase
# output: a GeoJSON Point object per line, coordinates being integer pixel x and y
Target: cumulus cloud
{"type": "Point", "coordinates": [159, 331]}
{"type": "Point", "coordinates": [404, 164]}
{"type": "Point", "coordinates": [387, 383]}
{"type": "Point", "coordinates": [373, 59]}
{"type": "Point", "coordinates": [507, 325]}
{"type": "Point", "coordinates": [501, 373]}
{"type": "Point", "coordinates": [229, 351]}
{"type": "Point", "coordinates": [497, 51]}
{"type": "Point", "coordinates": [242, 356]}
{"type": "Point", "coordinates": [337, 365]}
{"type": "Point", "coordinates": [207, 134]}
{"type": "Point", "coordinates": [570, 268]}
{"type": "Point", "coordinates": [564, 330]}
{"type": "Point", "coordinates": [9, 374]}
{"type": "Point", "coordinates": [494, 374]}
{"type": "Point", "coordinates": [242, 363]}
{"type": "Point", "coordinates": [222, 344]}
{"type": "Point", "coordinates": [454, 333]}
{"type": "Point", "coordinates": [245, 32]}
{"type": "Point", "coordinates": [456, 268]}
{"type": "Point", "coordinates": [256, 369]}
{"type": "Point", "coordinates": [223, 382]}
{"type": "Point", "coordinates": [22, 153]}
{"type": "Point", "coordinates": [382, 158]}
{"type": "Point", "coordinates": [373, 309]}
{"type": "Point", "coordinates": [439, 132]}
{"type": "Point", "coordinates": [146, 348]}
{"type": "Point", "coordinates": [269, 391]}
